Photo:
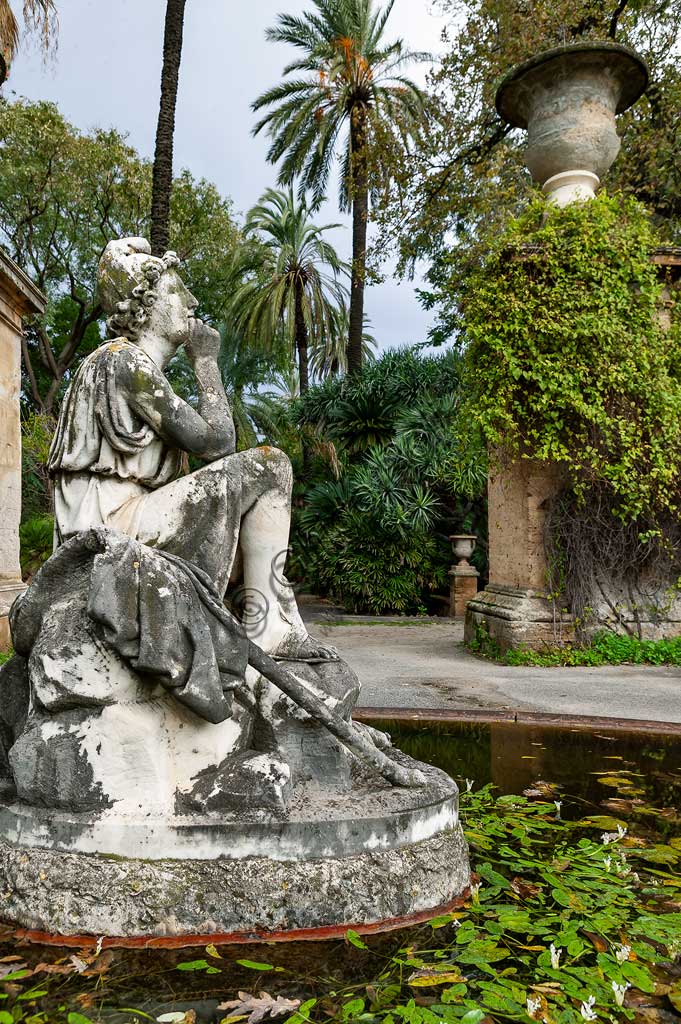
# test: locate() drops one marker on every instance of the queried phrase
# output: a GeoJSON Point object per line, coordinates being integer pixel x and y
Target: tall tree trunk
{"type": "Point", "coordinates": [360, 217]}
{"type": "Point", "coordinates": [301, 343]}
{"type": "Point", "coordinates": [163, 156]}
{"type": "Point", "coordinates": [303, 370]}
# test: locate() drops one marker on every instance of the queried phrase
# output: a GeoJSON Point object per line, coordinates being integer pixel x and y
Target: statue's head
{"type": "Point", "coordinates": [138, 290]}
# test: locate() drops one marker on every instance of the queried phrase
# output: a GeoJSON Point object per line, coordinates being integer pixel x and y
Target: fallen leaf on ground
{"type": "Point", "coordinates": [525, 889]}
{"type": "Point", "coordinates": [259, 1007]}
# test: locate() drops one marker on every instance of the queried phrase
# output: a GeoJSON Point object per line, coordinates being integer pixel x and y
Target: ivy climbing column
{"type": "Point", "coordinates": [567, 100]}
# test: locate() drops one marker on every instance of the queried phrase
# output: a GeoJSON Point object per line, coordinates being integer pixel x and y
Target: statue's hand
{"type": "Point", "coordinates": [203, 341]}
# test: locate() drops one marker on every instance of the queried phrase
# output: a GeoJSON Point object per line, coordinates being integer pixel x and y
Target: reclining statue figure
{"type": "Point", "coordinates": [134, 688]}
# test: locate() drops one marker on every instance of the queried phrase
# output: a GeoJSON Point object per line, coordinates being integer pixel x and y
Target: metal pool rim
{"type": "Point", "coordinates": [240, 938]}
{"type": "Point", "coordinates": [586, 723]}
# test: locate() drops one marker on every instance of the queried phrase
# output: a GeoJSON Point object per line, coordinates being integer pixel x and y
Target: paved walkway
{"type": "Point", "coordinates": [423, 664]}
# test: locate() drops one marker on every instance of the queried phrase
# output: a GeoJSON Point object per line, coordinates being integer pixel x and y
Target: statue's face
{"type": "Point", "coordinates": [173, 309]}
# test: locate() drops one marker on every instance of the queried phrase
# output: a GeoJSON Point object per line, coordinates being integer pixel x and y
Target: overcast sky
{"type": "Point", "coordinates": [107, 73]}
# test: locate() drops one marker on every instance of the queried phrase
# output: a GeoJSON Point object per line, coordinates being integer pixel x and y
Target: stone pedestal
{"type": "Point", "coordinates": [18, 298]}
{"type": "Point", "coordinates": [515, 608]}
{"type": "Point", "coordinates": [463, 587]}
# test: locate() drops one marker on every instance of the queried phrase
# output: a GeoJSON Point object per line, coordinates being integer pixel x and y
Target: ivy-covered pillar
{"type": "Point", "coordinates": [19, 298]}
{"type": "Point", "coordinates": [567, 100]}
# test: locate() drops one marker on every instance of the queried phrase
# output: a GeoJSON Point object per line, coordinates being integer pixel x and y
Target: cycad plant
{"type": "Point", "coordinates": [292, 281]}
{"type": "Point", "coordinates": [345, 80]}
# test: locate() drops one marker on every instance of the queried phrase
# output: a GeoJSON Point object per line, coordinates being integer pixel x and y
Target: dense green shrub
{"type": "Point", "coordinates": [36, 536]}
{"type": "Point", "coordinates": [411, 470]}
{"type": "Point", "coordinates": [605, 648]}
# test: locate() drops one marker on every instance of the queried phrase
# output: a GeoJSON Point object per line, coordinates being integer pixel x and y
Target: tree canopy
{"type": "Point", "coordinates": [465, 176]}
{"type": "Point", "coordinates": [63, 195]}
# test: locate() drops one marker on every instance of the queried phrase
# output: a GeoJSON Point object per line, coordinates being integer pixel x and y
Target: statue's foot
{"type": "Point", "coordinates": [296, 648]}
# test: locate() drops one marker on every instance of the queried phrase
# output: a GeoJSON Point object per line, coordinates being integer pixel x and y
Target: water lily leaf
{"type": "Point", "coordinates": [256, 1008]}
{"type": "Point", "coordinates": [427, 978]}
{"type": "Point", "coordinates": [617, 782]}
{"type": "Point", "coordinates": [473, 1017]}
{"type": "Point", "coordinates": [197, 965]}
{"type": "Point", "coordinates": [661, 854]}
{"type": "Point", "coordinates": [603, 821]}
{"type": "Point", "coordinates": [255, 965]}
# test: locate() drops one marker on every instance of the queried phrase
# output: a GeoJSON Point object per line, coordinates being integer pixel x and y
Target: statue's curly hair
{"type": "Point", "coordinates": [132, 313]}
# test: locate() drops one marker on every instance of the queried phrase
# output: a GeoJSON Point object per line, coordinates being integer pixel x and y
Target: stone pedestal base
{"type": "Point", "coordinates": [366, 857]}
{"type": "Point", "coordinates": [517, 618]}
{"type": "Point", "coordinates": [463, 586]}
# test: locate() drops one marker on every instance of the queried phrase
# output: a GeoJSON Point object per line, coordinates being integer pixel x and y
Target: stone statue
{"type": "Point", "coordinates": [150, 714]}
{"type": "Point", "coordinates": [118, 449]}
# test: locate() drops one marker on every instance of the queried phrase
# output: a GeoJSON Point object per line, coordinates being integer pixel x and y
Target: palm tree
{"type": "Point", "coordinates": [40, 17]}
{"type": "Point", "coordinates": [353, 81]}
{"type": "Point", "coordinates": [332, 358]}
{"type": "Point", "coordinates": [165, 130]}
{"type": "Point", "coordinates": [291, 279]}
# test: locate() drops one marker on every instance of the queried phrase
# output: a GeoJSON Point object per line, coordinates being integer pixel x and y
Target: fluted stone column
{"type": "Point", "coordinates": [19, 298]}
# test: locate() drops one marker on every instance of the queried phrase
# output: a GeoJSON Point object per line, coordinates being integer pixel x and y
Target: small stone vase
{"type": "Point", "coordinates": [567, 99]}
{"type": "Point", "coordinates": [463, 546]}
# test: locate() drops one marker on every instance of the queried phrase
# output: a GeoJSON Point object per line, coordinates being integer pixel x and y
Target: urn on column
{"type": "Point", "coordinates": [567, 99]}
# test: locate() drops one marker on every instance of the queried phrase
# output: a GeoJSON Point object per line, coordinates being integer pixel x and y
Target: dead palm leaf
{"type": "Point", "coordinates": [40, 18]}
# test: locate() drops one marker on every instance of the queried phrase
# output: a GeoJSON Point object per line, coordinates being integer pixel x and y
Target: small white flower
{"type": "Point", "coordinates": [555, 957]}
{"type": "Point", "coordinates": [475, 889]}
{"type": "Point", "coordinates": [607, 837]}
{"type": "Point", "coordinates": [620, 991]}
{"type": "Point", "coordinates": [607, 861]}
{"type": "Point", "coordinates": [622, 953]}
{"type": "Point", "coordinates": [622, 868]}
{"type": "Point", "coordinates": [586, 1009]}
{"type": "Point", "coordinates": [100, 943]}
{"type": "Point", "coordinates": [621, 832]}
{"type": "Point", "coordinates": [533, 1006]}
{"type": "Point", "coordinates": [558, 804]}
{"type": "Point", "coordinates": [469, 785]}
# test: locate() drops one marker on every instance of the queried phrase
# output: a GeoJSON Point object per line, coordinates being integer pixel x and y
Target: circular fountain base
{"type": "Point", "coordinates": [373, 858]}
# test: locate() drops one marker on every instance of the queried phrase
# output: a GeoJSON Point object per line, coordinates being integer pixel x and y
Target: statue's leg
{"type": "Point", "coordinates": [242, 499]}
{"type": "Point", "coordinates": [271, 618]}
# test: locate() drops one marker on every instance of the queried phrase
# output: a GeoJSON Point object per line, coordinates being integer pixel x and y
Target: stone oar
{"type": "Point", "coordinates": [344, 731]}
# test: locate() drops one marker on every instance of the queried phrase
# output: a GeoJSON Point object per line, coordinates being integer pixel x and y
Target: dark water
{"type": "Point", "coordinates": [589, 773]}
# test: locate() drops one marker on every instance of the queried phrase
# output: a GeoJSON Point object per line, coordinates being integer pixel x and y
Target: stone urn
{"type": "Point", "coordinates": [463, 577]}
{"type": "Point", "coordinates": [567, 99]}
{"type": "Point", "coordinates": [463, 546]}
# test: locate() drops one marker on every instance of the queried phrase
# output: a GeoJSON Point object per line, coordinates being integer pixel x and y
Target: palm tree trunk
{"type": "Point", "coordinates": [360, 217]}
{"type": "Point", "coordinates": [163, 156]}
{"type": "Point", "coordinates": [301, 343]}
{"type": "Point", "coordinates": [303, 370]}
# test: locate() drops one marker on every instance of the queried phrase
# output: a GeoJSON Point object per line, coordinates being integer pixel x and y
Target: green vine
{"type": "Point", "coordinates": [568, 361]}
